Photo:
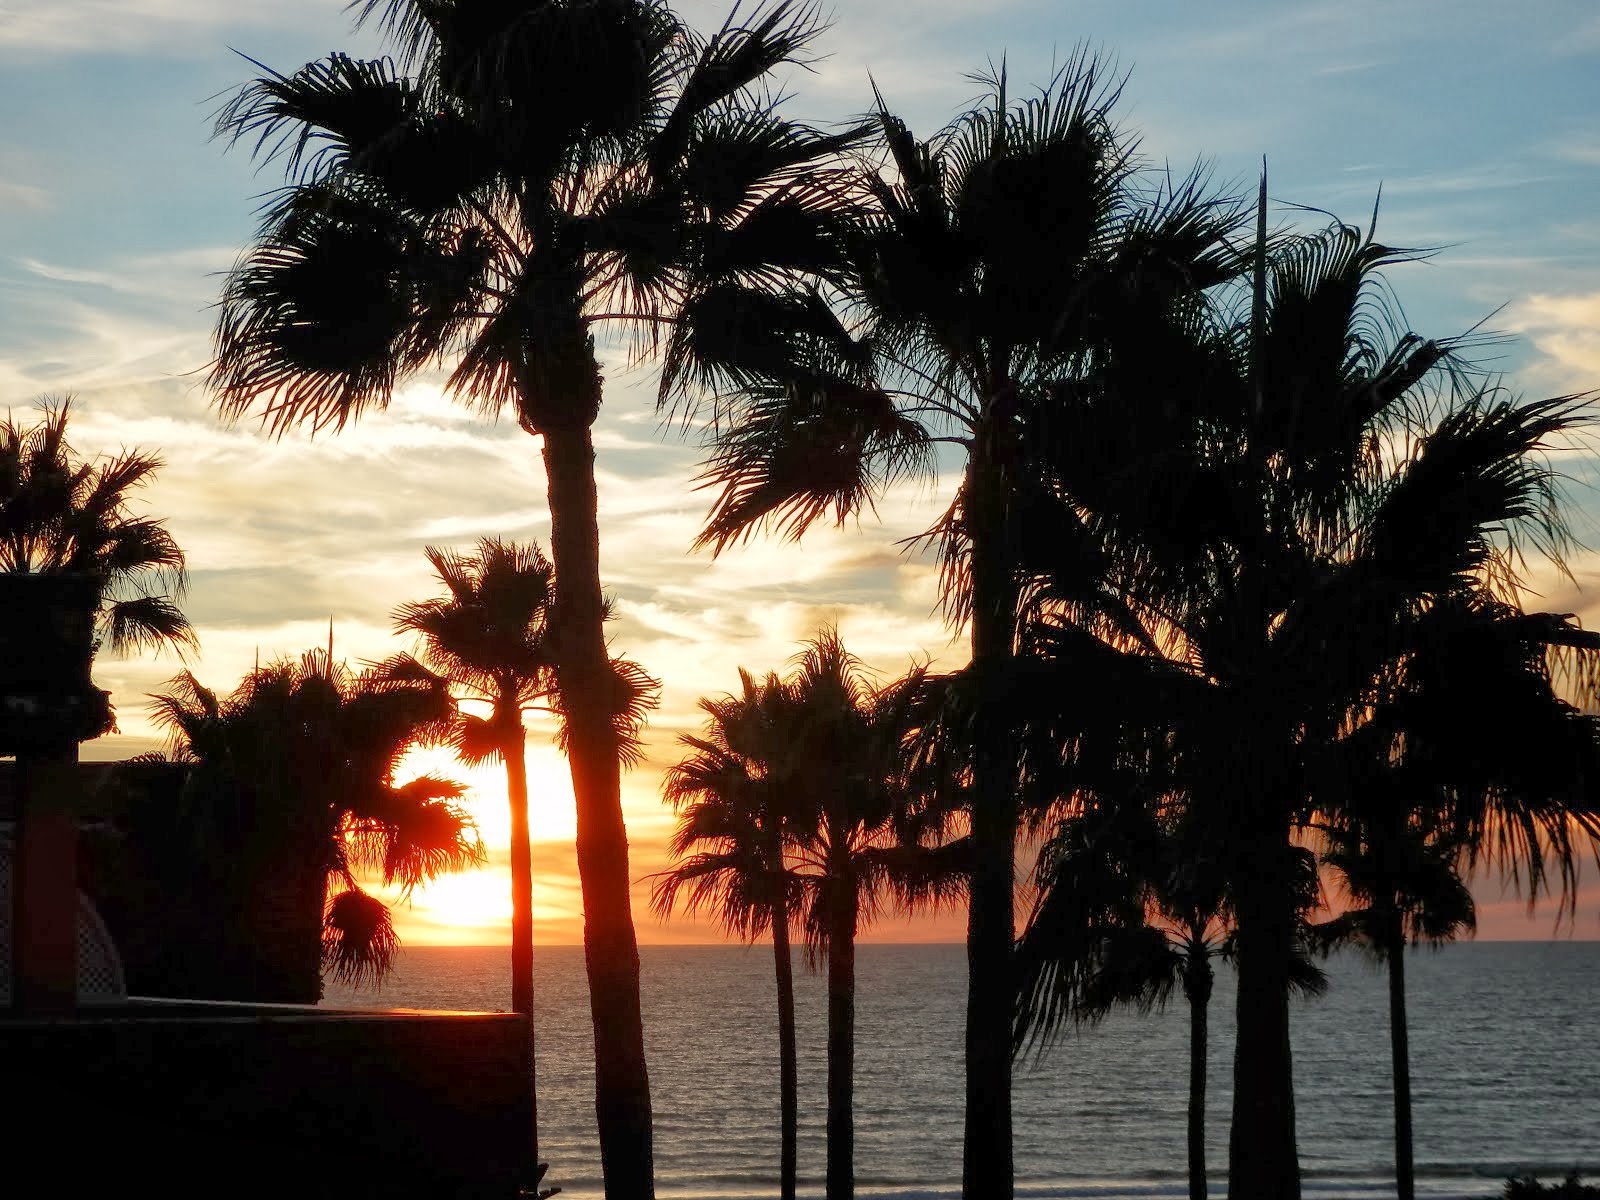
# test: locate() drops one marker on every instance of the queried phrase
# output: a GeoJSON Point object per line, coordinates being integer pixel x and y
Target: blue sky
{"type": "Point", "coordinates": [1481, 122]}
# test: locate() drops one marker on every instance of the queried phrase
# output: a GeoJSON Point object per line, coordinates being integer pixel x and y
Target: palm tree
{"type": "Point", "coordinates": [997, 263]}
{"type": "Point", "coordinates": [1285, 539]}
{"type": "Point", "coordinates": [60, 515]}
{"type": "Point", "coordinates": [1362, 546]}
{"type": "Point", "coordinates": [1434, 779]}
{"type": "Point", "coordinates": [486, 642]}
{"type": "Point", "coordinates": [1402, 885]}
{"type": "Point", "coordinates": [801, 792]}
{"type": "Point", "coordinates": [293, 779]}
{"type": "Point", "coordinates": [1132, 906]}
{"type": "Point", "coordinates": [545, 168]}
{"type": "Point", "coordinates": [854, 841]}
{"type": "Point", "coordinates": [1123, 916]}
{"type": "Point", "coordinates": [735, 795]}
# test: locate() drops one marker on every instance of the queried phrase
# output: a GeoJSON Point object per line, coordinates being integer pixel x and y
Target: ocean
{"type": "Point", "coordinates": [1505, 1041]}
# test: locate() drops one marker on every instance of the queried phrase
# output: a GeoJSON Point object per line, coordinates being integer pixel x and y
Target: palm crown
{"type": "Point", "coordinates": [61, 515]}
{"type": "Point", "coordinates": [486, 639]}
{"type": "Point", "coordinates": [547, 166]}
{"type": "Point", "coordinates": [295, 770]}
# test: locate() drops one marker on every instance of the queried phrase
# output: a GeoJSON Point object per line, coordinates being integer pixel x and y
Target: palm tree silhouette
{"type": "Point", "coordinates": [1402, 886]}
{"type": "Point", "coordinates": [800, 801]}
{"type": "Point", "coordinates": [1133, 906]}
{"type": "Point", "coordinates": [854, 842]}
{"type": "Point", "coordinates": [735, 795]}
{"type": "Point", "coordinates": [1262, 572]}
{"type": "Point", "coordinates": [1347, 549]}
{"type": "Point", "coordinates": [1346, 480]}
{"type": "Point", "coordinates": [1436, 780]}
{"type": "Point", "coordinates": [1125, 914]}
{"type": "Point", "coordinates": [294, 777]}
{"type": "Point", "coordinates": [486, 641]}
{"type": "Point", "coordinates": [546, 167]}
{"type": "Point", "coordinates": [995, 263]}
{"type": "Point", "coordinates": [62, 515]}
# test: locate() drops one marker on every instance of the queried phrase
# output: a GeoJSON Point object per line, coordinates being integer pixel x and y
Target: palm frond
{"type": "Point", "coordinates": [799, 453]}
{"type": "Point", "coordinates": [359, 943]}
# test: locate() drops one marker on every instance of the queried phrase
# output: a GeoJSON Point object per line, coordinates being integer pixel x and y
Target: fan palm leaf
{"type": "Point", "coordinates": [63, 515]}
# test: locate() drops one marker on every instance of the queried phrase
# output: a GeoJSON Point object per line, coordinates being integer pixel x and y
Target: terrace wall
{"type": "Point", "coordinates": [177, 1100]}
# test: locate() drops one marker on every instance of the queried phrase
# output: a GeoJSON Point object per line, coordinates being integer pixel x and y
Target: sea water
{"type": "Point", "coordinates": [1505, 1054]}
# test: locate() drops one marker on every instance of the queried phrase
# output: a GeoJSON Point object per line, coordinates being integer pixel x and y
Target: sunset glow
{"type": "Point", "coordinates": [284, 535]}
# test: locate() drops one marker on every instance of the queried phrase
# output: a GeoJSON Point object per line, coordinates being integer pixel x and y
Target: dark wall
{"type": "Point", "coordinates": [194, 908]}
{"type": "Point", "coordinates": [319, 1104]}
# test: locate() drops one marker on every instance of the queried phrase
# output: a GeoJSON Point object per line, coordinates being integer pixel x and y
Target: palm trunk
{"type": "Point", "coordinates": [788, 1068]}
{"type": "Point", "coordinates": [1395, 952]}
{"type": "Point", "coordinates": [1197, 989]}
{"type": "Point", "coordinates": [986, 1166]}
{"type": "Point", "coordinates": [841, 1183]}
{"type": "Point", "coordinates": [1262, 1161]}
{"type": "Point", "coordinates": [522, 907]}
{"type": "Point", "coordinates": [611, 950]}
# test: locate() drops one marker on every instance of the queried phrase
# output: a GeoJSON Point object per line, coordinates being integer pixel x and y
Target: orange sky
{"type": "Point", "coordinates": [475, 908]}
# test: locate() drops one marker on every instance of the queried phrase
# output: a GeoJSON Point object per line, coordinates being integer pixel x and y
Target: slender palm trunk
{"type": "Point", "coordinates": [1197, 980]}
{"type": "Point", "coordinates": [522, 907]}
{"type": "Point", "coordinates": [611, 949]}
{"type": "Point", "coordinates": [1262, 1161]}
{"type": "Point", "coordinates": [841, 1183]}
{"type": "Point", "coordinates": [1395, 953]}
{"type": "Point", "coordinates": [788, 1059]}
{"type": "Point", "coordinates": [986, 1166]}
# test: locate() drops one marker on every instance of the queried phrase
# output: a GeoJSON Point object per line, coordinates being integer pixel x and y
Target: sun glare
{"type": "Point", "coordinates": [550, 811]}
{"type": "Point", "coordinates": [472, 906]}
{"type": "Point", "coordinates": [475, 906]}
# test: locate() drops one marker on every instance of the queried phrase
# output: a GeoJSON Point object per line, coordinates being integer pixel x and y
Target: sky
{"type": "Point", "coordinates": [118, 210]}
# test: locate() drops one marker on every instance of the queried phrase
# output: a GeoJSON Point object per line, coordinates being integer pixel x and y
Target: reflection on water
{"type": "Point", "coordinates": [1505, 1073]}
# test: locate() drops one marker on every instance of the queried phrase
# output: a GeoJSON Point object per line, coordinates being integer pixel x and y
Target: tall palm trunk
{"type": "Point", "coordinates": [841, 1183]}
{"type": "Point", "coordinates": [788, 1065]}
{"type": "Point", "coordinates": [1262, 1161]}
{"type": "Point", "coordinates": [1197, 980]}
{"type": "Point", "coordinates": [512, 750]}
{"type": "Point", "coordinates": [611, 950]}
{"type": "Point", "coordinates": [1395, 953]}
{"type": "Point", "coordinates": [986, 1165]}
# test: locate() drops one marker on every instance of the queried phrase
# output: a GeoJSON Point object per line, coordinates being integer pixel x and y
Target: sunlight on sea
{"type": "Point", "coordinates": [1505, 1062]}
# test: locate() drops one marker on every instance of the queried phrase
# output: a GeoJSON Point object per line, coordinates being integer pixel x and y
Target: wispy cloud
{"type": "Point", "coordinates": [1582, 146]}
{"type": "Point", "coordinates": [1565, 329]}
{"type": "Point", "coordinates": [1584, 38]}
{"type": "Point", "coordinates": [1350, 68]}
{"type": "Point", "coordinates": [133, 26]}
{"type": "Point", "coordinates": [23, 196]}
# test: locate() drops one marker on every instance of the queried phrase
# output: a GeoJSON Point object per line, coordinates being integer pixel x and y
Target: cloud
{"type": "Point", "coordinates": [1350, 68]}
{"type": "Point", "coordinates": [284, 535]}
{"type": "Point", "coordinates": [1583, 39]}
{"type": "Point", "coordinates": [134, 26]}
{"type": "Point", "coordinates": [23, 196]}
{"type": "Point", "coordinates": [1581, 147]}
{"type": "Point", "coordinates": [1565, 329]}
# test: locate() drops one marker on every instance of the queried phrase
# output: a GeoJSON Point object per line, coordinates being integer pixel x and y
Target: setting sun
{"type": "Point", "coordinates": [550, 809]}
{"type": "Point", "coordinates": [474, 907]}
